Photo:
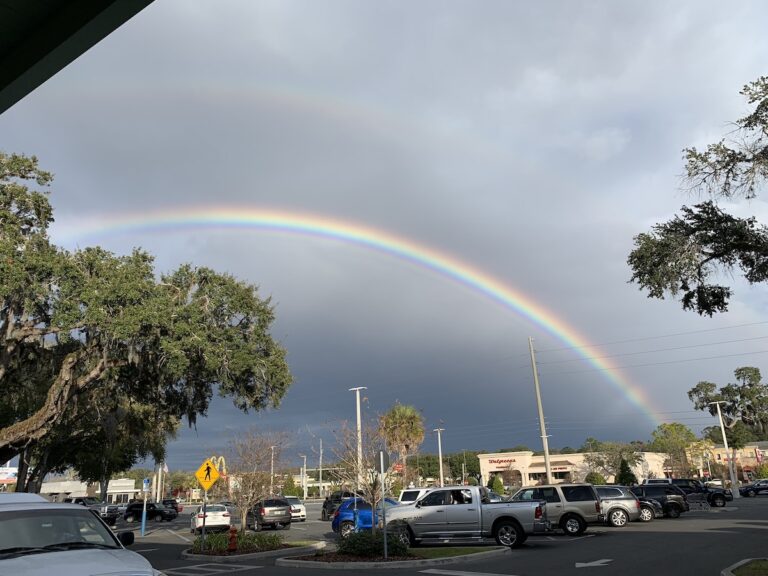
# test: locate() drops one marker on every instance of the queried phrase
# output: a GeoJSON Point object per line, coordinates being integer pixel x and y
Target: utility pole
{"type": "Point", "coordinates": [359, 436]}
{"type": "Point", "coordinates": [542, 426]}
{"type": "Point", "coordinates": [321, 469]}
{"type": "Point", "coordinates": [731, 468]}
{"type": "Point", "coordinates": [440, 452]}
{"type": "Point", "coordinates": [304, 476]}
{"type": "Point", "coordinates": [464, 468]}
{"type": "Point", "coordinates": [272, 471]}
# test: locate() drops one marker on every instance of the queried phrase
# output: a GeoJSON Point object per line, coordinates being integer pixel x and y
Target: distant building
{"type": "Point", "coordinates": [118, 491]}
{"type": "Point", "coordinates": [526, 469]}
{"type": "Point", "coordinates": [747, 458]}
{"type": "Point", "coordinates": [7, 476]}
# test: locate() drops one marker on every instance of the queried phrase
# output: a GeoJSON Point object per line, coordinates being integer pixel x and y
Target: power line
{"type": "Point", "coordinates": [645, 338]}
{"type": "Point", "coordinates": [659, 363]}
{"type": "Point", "coordinates": [653, 351]}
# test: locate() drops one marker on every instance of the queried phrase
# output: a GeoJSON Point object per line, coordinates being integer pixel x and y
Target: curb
{"type": "Point", "coordinates": [293, 563]}
{"type": "Point", "coordinates": [729, 571]}
{"type": "Point", "coordinates": [255, 555]}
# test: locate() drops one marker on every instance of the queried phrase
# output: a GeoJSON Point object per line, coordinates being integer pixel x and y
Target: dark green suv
{"type": "Point", "coordinates": [671, 498]}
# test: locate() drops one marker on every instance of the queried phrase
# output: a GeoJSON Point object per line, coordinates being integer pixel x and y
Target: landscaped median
{"type": "Point", "coordinates": [360, 550]}
{"type": "Point", "coordinates": [749, 567]}
{"type": "Point", "coordinates": [249, 545]}
{"type": "Point", "coordinates": [365, 550]}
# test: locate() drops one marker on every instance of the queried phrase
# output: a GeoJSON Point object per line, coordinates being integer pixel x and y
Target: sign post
{"type": "Point", "coordinates": [206, 475]}
{"type": "Point", "coordinates": [383, 465]}
{"type": "Point", "coordinates": [145, 489]}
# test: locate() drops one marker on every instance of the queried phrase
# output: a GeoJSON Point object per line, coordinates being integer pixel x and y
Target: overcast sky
{"type": "Point", "coordinates": [530, 141]}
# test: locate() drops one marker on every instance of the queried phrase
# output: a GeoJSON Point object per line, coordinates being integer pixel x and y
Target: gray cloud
{"type": "Point", "coordinates": [530, 141]}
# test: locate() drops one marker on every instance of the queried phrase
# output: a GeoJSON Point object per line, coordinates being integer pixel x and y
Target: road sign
{"type": "Point", "coordinates": [207, 475]}
{"type": "Point", "coordinates": [146, 485]}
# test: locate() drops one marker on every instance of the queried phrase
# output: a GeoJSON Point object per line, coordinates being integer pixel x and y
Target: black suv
{"type": "Point", "coordinates": [334, 501]}
{"type": "Point", "coordinates": [672, 499]}
{"type": "Point", "coordinates": [155, 511]}
{"type": "Point", "coordinates": [714, 496]}
{"type": "Point", "coordinates": [172, 503]}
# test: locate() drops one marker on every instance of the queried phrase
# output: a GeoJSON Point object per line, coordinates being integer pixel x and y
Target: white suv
{"type": "Point", "coordinates": [38, 538]}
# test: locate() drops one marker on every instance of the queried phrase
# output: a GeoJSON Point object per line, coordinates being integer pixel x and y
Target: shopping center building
{"type": "Point", "coordinates": [525, 469]}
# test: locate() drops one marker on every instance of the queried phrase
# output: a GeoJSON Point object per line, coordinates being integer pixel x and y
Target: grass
{"type": "Point", "coordinates": [754, 568]}
{"type": "Point", "coordinates": [449, 551]}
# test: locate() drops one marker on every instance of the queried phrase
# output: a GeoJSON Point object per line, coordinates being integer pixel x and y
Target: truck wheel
{"type": "Point", "coordinates": [618, 518]}
{"type": "Point", "coordinates": [718, 501]}
{"type": "Point", "coordinates": [129, 519]}
{"type": "Point", "coordinates": [573, 525]}
{"type": "Point", "coordinates": [509, 533]}
{"type": "Point", "coordinates": [346, 529]}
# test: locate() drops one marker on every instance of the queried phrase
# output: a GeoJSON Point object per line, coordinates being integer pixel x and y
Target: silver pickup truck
{"type": "Point", "coordinates": [464, 513]}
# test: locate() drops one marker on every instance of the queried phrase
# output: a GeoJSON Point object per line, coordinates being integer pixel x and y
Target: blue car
{"type": "Point", "coordinates": [355, 514]}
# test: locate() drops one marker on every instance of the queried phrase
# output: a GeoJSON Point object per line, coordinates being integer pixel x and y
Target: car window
{"type": "Point", "coordinates": [409, 495]}
{"type": "Point", "coordinates": [436, 498]}
{"type": "Point", "coordinates": [40, 528]}
{"type": "Point", "coordinates": [527, 494]}
{"type": "Point", "coordinates": [276, 502]}
{"type": "Point", "coordinates": [578, 493]}
{"type": "Point", "coordinates": [215, 508]}
{"type": "Point", "coordinates": [461, 497]}
{"type": "Point", "coordinates": [609, 492]}
{"type": "Point", "coordinates": [548, 494]}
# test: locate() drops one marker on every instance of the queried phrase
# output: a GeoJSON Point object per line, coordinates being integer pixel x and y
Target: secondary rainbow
{"type": "Point", "coordinates": [371, 238]}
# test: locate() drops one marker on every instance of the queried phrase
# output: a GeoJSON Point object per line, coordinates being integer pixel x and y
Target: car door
{"type": "Point", "coordinates": [463, 513]}
{"type": "Point", "coordinates": [431, 514]}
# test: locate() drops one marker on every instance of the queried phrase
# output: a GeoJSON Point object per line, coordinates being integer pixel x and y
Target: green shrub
{"type": "Point", "coordinates": [370, 544]}
{"type": "Point", "coordinates": [594, 478]}
{"type": "Point", "coordinates": [218, 543]}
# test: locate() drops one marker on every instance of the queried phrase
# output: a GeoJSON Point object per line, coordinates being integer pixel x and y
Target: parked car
{"type": "Point", "coordinates": [412, 494]}
{"type": "Point", "coordinates": [155, 511]}
{"type": "Point", "coordinates": [173, 503]}
{"type": "Point", "coordinates": [650, 509]}
{"type": "Point", "coordinates": [619, 505]}
{"type": "Point", "coordinates": [464, 513]}
{"type": "Point", "coordinates": [36, 538]}
{"type": "Point", "coordinates": [298, 510]}
{"type": "Point", "coordinates": [755, 488]}
{"type": "Point", "coordinates": [333, 501]}
{"type": "Point", "coordinates": [216, 516]}
{"type": "Point", "coordinates": [570, 507]}
{"type": "Point", "coordinates": [108, 512]}
{"type": "Point", "coordinates": [672, 499]}
{"type": "Point", "coordinates": [355, 514]}
{"type": "Point", "coordinates": [272, 512]}
{"type": "Point", "coordinates": [713, 495]}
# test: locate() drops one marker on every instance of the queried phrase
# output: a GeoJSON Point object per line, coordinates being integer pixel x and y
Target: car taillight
{"type": "Point", "coordinates": [597, 506]}
{"type": "Point", "coordinates": [336, 514]}
{"type": "Point", "coordinates": [262, 512]}
{"type": "Point", "coordinates": [637, 504]}
{"type": "Point", "coordinates": [538, 513]}
{"type": "Point", "coordinates": [226, 514]}
{"type": "Point", "coordinates": [201, 515]}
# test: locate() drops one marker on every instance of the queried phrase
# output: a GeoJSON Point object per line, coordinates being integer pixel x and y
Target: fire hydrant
{"type": "Point", "coordinates": [232, 539]}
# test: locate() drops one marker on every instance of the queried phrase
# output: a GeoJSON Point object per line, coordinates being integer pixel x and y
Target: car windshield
{"type": "Point", "coordinates": [214, 508]}
{"type": "Point", "coordinates": [293, 500]}
{"type": "Point", "coordinates": [36, 531]}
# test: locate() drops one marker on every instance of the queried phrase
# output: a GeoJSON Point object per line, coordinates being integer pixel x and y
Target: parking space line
{"type": "Point", "coordinates": [206, 569]}
{"type": "Point", "coordinates": [460, 573]}
{"type": "Point", "coordinates": [179, 535]}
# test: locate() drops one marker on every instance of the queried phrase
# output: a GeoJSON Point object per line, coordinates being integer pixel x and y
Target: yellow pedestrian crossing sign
{"type": "Point", "coordinates": [207, 475]}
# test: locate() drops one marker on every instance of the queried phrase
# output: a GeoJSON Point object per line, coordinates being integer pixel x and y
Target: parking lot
{"type": "Point", "coordinates": [702, 541]}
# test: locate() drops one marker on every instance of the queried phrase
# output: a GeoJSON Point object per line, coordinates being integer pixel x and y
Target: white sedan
{"type": "Point", "coordinates": [298, 510]}
{"type": "Point", "coordinates": [216, 516]}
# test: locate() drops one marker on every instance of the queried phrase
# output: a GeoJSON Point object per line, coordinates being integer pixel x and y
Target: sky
{"type": "Point", "coordinates": [419, 188]}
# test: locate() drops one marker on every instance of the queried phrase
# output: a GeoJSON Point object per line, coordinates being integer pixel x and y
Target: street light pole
{"type": "Point", "coordinates": [359, 435]}
{"type": "Point", "coordinates": [304, 476]}
{"type": "Point", "coordinates": [731, 470]}
{"type": "Point", "coordinates": [440, 452]}
{"type": "Point", "coordinates": [272, 471]}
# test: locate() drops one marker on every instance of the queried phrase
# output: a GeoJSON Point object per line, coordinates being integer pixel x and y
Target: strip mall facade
{"type": "Point", "coordinates": [525, 469]}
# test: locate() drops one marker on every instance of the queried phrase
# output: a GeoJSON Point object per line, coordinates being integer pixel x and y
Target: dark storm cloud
{"type": "Point", "coordinates": [530, 141]}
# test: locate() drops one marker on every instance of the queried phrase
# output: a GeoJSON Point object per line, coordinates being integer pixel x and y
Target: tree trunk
{"type": "Point", "coordinates": [23, 471]}
{"type": "Point", "coordinates": [66, 384]}
{"type": "Point", "coordinates": [103, 488]}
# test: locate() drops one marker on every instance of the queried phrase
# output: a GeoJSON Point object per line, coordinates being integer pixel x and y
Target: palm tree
{"type": "Point", "coordinates": [403, 429]}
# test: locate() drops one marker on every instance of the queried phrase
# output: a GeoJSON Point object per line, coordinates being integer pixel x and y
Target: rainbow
{"type": "Point", "coordinates": [380, 241]}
